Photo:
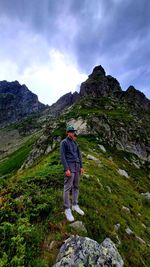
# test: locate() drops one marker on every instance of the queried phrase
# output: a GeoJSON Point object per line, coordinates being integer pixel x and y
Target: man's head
{"type": "Point", "coordinates": [70, 131]}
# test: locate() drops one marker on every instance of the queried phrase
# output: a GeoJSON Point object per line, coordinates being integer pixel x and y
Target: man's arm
{"type": "Point", "coordinates": [80, 158]}
{"type": "Point", "coordinates": [63, 156]}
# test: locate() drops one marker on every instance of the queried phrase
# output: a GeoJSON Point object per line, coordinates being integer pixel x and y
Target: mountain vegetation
{"type": "Point", "coordinates": [114, 137]}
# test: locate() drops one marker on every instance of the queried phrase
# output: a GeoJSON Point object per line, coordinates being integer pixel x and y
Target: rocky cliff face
{"type": "Point", "coordinates": [64, 102]}
{"type": "Point", "coordinates": [135, 98]}
{"type": "Point", "coordinates": [101, 85]}
{"type": "Point", "coordinates": [98, 84]}
{"type": "Point", "coordinates": [16, 102]}
{"type": "Point", "coordinates": [120, 118]}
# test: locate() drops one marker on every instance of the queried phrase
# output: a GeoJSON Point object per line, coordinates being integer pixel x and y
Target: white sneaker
{"type": "Point", "coordinates": [69, 215]}
{"type": "Point", "coordinates": [77, 209]}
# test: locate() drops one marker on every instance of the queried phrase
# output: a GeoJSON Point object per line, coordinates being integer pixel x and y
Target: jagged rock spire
{"type": "Point", "coordinates": [98, 84]}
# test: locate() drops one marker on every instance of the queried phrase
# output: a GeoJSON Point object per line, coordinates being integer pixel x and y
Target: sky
{"type": "Point", "coordinates": [53, 45]}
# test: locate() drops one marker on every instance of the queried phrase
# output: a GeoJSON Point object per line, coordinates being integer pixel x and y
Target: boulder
{"type": "Point", "coordinates": [78, 225]}
{"type": "Point", "coordinates": [90, 157]}
{"type": "Point", "coordinates": [129, 231]}
{"type": "Point", "coordinates": [83, 251]}
{"type": "Point", "coordinates": [123, 173]}
{"type": "Point", "coordinates": [102, 148]}
{"type": "Point", "coordinates": [147, 195]}
{"type": "Point", "coordinates": [125, 209]}
{"type": "Point", "coordinates": [117, 226]}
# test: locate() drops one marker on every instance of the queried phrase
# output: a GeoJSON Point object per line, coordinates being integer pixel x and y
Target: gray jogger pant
{"type": "Point", "coordinates": [71, 184]}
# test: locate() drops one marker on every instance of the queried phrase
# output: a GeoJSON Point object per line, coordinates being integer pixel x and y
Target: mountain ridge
{"type": "Point", "coordinates": [16, 102]}
{"type": "Point", "coordinates": [98, 84]}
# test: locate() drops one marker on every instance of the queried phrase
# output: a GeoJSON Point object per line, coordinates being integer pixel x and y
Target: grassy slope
{"type": "Point", "coordinates": [32, 214]}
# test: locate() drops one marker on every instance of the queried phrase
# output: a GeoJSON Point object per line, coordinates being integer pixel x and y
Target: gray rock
{"type": "Point", "coordinates": [140, 240]}
{"type": "Point", "coordinates": [78, 225]}
{"type": "Point", "coordinates": [80, 125]}
{"type": "Point", "coordinates": [125, 209]}
{"type": "Point", "coordinates": [129, 231]}
{"type": "Point", "coordinates": [100, 183]}
{"type": "Point", "coordinates": [102, 148]}
{"type": "Point", "coordinates": [147, 195]}
{"type": "Point", "coordinates": [108, 188]}
{"type": "Point", "coordinates": [90, 157]}
{"type": "Point", "coordinates": [123, 173]}
{"type": "Point", "coordinates": [52, 245]}
{"type": "Point", "coordinates": [117, 226]}
{"type": "Point", "coordinates": [136, 165]}
{"type": "Point", "coordinates": [83, 251]}
{"type": "Point", "coordinates": [87, 176]}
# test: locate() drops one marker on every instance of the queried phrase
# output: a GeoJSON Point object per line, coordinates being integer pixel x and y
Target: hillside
{"type": "Point", "coordinates": [114, 137]}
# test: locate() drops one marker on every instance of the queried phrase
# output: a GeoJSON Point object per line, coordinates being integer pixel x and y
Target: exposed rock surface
{"type": "Point", "coordinates": [132, 137]}
{"type": "Point", "coordinates": [123, 173]}
{"type": "Point", "coordinates": [102, 148]}
{"type": "Point", "coordinates": [90, 157]}
{"type": "Point", "coordinates": [16, 102]}
{"type": "Point", "coordinates": [80, 125]}
{"type": "Point", "coordinates": [98, 84]}
{"type": "Point", "coordinates": [45, 144]}
{"type": "Point", "coordinates": [127, 130]}
{"type": "Point", "coordinates": [125, 209]}
{"type": "Point", "coordinates": [63, 102]}
{"type": "Point", "coordinates": [135, 98]}
{"type": "Point", "coordinates": [83, 251]}
{"type": "Point", "coordinates": [147, 195]}
{"type": "Point", "coordinates": [78, 225]}
{"type": "Point", "coordinates": [129, 231]}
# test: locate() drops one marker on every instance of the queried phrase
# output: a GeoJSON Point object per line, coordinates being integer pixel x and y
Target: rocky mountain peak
{"type": "Point", "coordinates": [98, 84]}
{"type": "Point", "coordinates": [97, 71]}
{"type": "Point", "coordinates": [16, 102]}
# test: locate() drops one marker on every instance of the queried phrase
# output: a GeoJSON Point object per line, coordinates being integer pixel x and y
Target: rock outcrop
{"type": "Point", "coordinates": [98, 84]}
{"type": "Point", "coordinates": [120, 118]}
{"type": "Point", "coordinates": [83, 251]}
{"type": "Point", "coordinates": [63, 102]}
{"type": "Point", "coordinates": [135, 98]}
{"type": "Point", "coordinates": [16, 102]}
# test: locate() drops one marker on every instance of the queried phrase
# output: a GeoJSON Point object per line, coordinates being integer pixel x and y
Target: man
{"type": "Point", "coordinates": [72, 162]}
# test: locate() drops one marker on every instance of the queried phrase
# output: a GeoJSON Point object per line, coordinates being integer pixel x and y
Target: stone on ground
{"type": "Point", "coordinates": [83, 251]}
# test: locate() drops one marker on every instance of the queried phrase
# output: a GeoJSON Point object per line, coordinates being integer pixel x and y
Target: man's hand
{"type": "Point", "coordinates": [68, 173]}
{"type": "Point", "coordinates": [81, 171]}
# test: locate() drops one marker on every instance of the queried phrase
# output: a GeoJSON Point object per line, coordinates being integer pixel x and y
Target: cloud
{"type": "Point", "coordinates": [56, 78]}
{"type": "Point", "coordinates": [76, 35]}
{"type": "Point", "coordinates": [49, 80]}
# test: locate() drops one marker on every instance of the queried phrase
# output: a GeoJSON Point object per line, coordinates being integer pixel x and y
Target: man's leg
{"type": "Point", "coordinates": [75, 188]}
{"type": "Point", "coordinates": [68, 184]}
{"type": "Point", "coordinates": [75, 194]}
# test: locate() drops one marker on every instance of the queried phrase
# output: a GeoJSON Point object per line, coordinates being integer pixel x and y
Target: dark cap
{"type": "Point", "coordinates": [70, 129]}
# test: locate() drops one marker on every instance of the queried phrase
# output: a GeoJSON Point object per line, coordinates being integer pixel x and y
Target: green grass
{"type": "Point", "coordinates": [88, 107]}
{"type": "Point", "coordinates": [32, 211]}
{"type": "Point", "coordinates": [15, 160]}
